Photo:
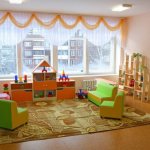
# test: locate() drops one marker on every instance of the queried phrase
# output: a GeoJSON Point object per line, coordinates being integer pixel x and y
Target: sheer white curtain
{"type": "Point", "coordinates": [57, 35]}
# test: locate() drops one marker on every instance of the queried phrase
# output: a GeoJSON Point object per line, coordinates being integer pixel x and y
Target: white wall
{"type": "Point", "coordinates": [138, 35]}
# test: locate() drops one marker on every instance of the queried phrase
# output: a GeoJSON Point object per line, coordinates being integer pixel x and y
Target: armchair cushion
{"type": "Point", "coordinates": [107, 103]}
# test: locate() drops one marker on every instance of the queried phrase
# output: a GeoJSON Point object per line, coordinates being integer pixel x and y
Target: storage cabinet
{"type": "Point", "coordinates": [21, 91]}
{"type": "Point", "coordinates": [44, 86]}
{"type": "Point", "coordinates": [66, 89]}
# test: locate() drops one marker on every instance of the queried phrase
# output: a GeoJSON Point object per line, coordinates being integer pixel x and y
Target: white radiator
{"type": "Point", "coordinates": [89, 85]}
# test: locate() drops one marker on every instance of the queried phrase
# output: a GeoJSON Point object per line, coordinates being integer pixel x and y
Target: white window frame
{"type": "Point", "coordinates": [54, 58]}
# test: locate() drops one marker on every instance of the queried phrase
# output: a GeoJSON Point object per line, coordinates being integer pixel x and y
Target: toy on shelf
{"type": "Point", "coordinates": [44, 69]}
{"type": "Point", "coordinates": [25, 78]}
{"type": "Point", "coordinates": [131, 84]}
{"type": "Point", "coordinates": [16, 79]}
{"type": "Point", "coordinates": [63, 77]}
{"type": "Point", "coordinates": [20, 80]}
{"type": "Point", "coordinates": [50, 94]}
{"type": "Point", "coordinates": [5, 88]}
{"type": "Point", "coordinates": [41, 94]}
{"type": "Point", "coordinates": [82, 94]}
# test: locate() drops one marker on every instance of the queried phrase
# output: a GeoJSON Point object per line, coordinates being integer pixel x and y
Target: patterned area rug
{"type": "Point", "coordinates": [68, 118]}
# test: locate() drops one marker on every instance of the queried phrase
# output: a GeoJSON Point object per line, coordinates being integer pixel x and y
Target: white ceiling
{"type": "Point", "coordinates": [80, 7]}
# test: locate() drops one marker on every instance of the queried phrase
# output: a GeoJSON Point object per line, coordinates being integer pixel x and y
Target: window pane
{"type": "Point", "coordinates": [70, 55]}
{"type": "Point", "coordinates": [35, 48]}
{"type": "Point", "coordinates": [101, 58]}
{"type": "Point", "coordinates": [8, 60]}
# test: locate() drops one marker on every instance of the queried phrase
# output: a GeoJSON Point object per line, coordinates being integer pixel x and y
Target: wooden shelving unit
{"type": "Point", "coordinates": [44, 86]}
{"type": "Point", "coordinates": [133, 77]}
{"type": "Point", "coordinates": [44, 82]}
{"type": "Point", "coordinates": [141, 87]}
{"type": "Point", "coordinates": [126, 75]}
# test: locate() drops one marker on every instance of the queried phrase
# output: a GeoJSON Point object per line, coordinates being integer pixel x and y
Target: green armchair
{"type": "Point", "coordinates": [113, 109]}
{"type": "Point", "coordinates": [12, 116]}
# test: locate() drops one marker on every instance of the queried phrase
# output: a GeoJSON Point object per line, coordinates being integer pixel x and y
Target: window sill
{"type": "Point", "coordinates": [95, 75]}
{"type": "Point", "coordinates": [70, 76]}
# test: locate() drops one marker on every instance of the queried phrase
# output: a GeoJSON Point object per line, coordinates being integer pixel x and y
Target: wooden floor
{"type": "Point", "coordinates": [135, 138]}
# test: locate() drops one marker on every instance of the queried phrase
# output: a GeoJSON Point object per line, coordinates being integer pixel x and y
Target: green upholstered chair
{"type": "Point", "coordinates": [12, 116]}
{"type": "Point", "coordinates": [113, 109]}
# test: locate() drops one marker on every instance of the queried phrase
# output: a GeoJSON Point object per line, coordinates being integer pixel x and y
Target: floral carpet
{"type": "Point", "coordinates": [67, 118]}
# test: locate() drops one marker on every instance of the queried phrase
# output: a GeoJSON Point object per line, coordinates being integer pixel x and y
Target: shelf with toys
{"type": "Point", "coordinates": [126, 75]}
{"type": "Point", "coordinates": [21, 90]}
{"type": "Point", "coordinates": [44, 82]}
{"type": "Point", "coordinates": [133, 76]}
{"type": "Point", "coordinates": [65, 87]}
{"type": "Point", "coordinates": [141, 87]}
{"type": "Point", "coordinates": [44, 86]}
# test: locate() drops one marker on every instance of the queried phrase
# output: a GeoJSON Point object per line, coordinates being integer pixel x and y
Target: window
{"type": "Point", "coordinates": [38, 43]}
{"type": "Point", "coordinates": [100, 57]}
{"type": "Point", "coordinates": [77, 51]}
{"type": "Point", "coordinates": [72, 43]}
{"type": "Point", "coordinates": [38, 52]}
{"type": "Point", "coordinates": [27, 44]}
{"type": "Point", "coordinates": [74, 57]}
{"type": "Point", "coordinates": [80, 43]}
{"type": "Point", "coordinates": [96, 57]}
{"type": "Point", "coordinates": [62, 52]}
{"type": "Point", "coordinates": [21, 58]}
{"type": "Point", "coordinates": [72, 52]}
{"type": "Point", "coordinates": [8, 62]}
{"type": "Point", "coordinates": [70, 57]}
{"type": "Point", "coordinates": [31, 58]}
{"type": "Point", "coordinates": [27, 53]}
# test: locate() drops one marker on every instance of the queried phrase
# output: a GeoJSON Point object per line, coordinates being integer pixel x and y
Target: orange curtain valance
{"type": "Point", "coordinates": [51, 23]}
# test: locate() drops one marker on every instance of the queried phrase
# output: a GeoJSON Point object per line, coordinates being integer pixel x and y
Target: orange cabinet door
{"type": "Point", "coordinates": [38, 85]}
{"type": "Point", "coordinates": [21, 95]}
{"type": "Point", "coordinates": [45, 85]}
{"type": "Point", "coordinates": [50, 85]}
{"type": "Point", "coordinates": [65, 93]}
